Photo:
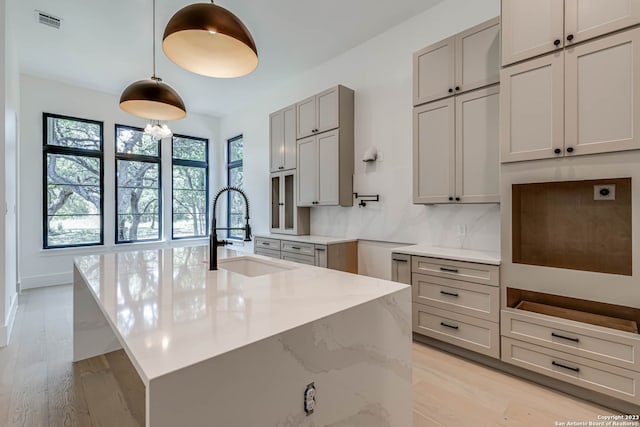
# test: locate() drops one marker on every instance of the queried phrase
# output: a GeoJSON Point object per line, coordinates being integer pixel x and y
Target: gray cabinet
{"type": "Point", "coordinates": [456, 149]}
{"type": "Point", "coordinates": [466, 61]}
{"type": "Point", "coordinates": [320, 113]}
{"type": "Point", "coordinates": [336, 256]}
{"type": "Point", "coordinates": [282, 139]}
{"type": "Point", "coordinates": [536, 27]}
{"type": "Point", "coordinates": [286, 216]}
{"type": "Point", "coordinates": [401, 268]}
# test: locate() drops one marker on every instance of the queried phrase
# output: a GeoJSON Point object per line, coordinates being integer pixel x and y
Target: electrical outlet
{"type": "Point", "coordinates": [310, 399]}
{"type": "Point", "coordinates": [604, 192]}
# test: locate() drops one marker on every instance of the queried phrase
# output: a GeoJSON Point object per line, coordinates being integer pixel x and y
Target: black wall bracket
{"type": "Point", "coordinates": [364, 199]}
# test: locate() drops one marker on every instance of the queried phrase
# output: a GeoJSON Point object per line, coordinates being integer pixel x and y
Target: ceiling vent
{"type": "Point", "coordinates": [48, 19]}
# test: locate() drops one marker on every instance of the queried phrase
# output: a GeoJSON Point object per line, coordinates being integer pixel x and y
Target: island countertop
{"type": "Point", "coordinates": [169, 311]}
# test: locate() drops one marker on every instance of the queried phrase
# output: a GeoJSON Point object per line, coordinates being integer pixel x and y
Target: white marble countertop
{"type": "Point", "coordinates": [320, 240]}
{"type": "Point", "coordinates": [169, 311]}
{"type": "Point", "coordinates": [467, 255]}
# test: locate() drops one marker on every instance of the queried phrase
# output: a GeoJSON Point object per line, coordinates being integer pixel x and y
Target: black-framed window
{"type": "Point", "coordinates": [73, 172]}
{"type": "Point", "coordinates": [189, 187]}
{"type": "Point", "coordinates": [138, 186]}
{"type": "Point", "coordinates": [235, 203]}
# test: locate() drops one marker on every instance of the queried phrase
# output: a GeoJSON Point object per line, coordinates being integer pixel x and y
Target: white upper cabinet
{"type": "Point", "coordinates": [464, 62]}
{"type": "Point", "coordinates": [319, 113]}
{"type": "Point", "coordinates": [307, 171]}
{"type": "Point", "coordinates": [282, 140]}
{"type": "Point", "coordinates": [582, 100]}
{"type": "Point", "coordinates": [602, 94]}
{"type": "Point", "coordinates": [532, 109]}
{"type": "Point", "coordinates": [536, 27]}
{"type": "Point", "coordinates": [329, 169]}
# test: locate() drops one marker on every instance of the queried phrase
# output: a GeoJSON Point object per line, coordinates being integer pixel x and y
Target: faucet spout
{"type": "Point", "coordinates": [213, 238]}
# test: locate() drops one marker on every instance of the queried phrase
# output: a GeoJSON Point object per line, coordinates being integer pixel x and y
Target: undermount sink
{"type": "Point", "coordinates": [251, 267]}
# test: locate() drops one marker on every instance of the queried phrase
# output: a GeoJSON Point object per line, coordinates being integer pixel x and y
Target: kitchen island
{"type": "Point", "coordinates": [244, 345]}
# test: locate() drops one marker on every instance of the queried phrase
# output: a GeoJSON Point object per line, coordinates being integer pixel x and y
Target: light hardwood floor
{"type": "Point", "coordinates": [39, 386]}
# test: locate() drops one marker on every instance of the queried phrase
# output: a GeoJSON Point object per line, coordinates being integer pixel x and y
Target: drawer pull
{"type": "Point", "coordinates": [553, 334]}
{"type": "Point", "coordinates": [554, 363]}
{"type": "Point", "coordinates": [297, 248]}
{"type": "Point", "coordinates": [452, 294]}
{"type": "Point", "coordinates": [320, 249]}
{"type": "Point", "coordinates": [399, 260]}
{"type": "Point", "coordinates": [449, 270]}
{"type": "Point", "coordinates": [446, 325]}
{"type": "Point", "coordinates": [266, 243]}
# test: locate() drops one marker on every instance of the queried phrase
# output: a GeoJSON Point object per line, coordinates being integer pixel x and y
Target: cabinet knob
{"type": "Point", "coordinates": [556, 42]}
{"type": "Point", "coordinates": [450, 198]}
{"type": "Point", "coordinates": [457, 199]}
{"type": "Point", "coordinates": [450, 90]}
{"type": "Point", "coordinates": [457, 87]}
{"type": "Point", "coordinates": [280, 167]}
{"type": "Point", "coordinates": [280, 204]}
{"type": "Point", "coordinates": [570, 37]}
{"type": "Point", "coordinates": [569, 149]}
{"type": "Point", "coordinates": [557, 151]}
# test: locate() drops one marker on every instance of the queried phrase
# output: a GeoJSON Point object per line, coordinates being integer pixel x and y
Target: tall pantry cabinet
{"type": "Point", "coordinates": [456, 118]}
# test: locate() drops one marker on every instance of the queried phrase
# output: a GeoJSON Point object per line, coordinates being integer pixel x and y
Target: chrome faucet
{"type": "Point", "coordinates": [213, 237]}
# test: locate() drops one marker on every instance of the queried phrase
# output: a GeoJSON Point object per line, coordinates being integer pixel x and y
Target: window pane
{"type": "Point", "coordinates": [73, 200]}
{"type": "Point", "coordinates": [236, 203]}
{"type": "Point", "coordinates": [189, 201]}
{"type": "Point", "coordinates": [134, 141]}
{"type": "Point", "coordinates": [189, 149]}
{"type": "Point", "coordinates": [235, 150]}
{"type": "Point", "coordinates": [74, 133]}
{"type": "Point", "coordinates": [138, 200]}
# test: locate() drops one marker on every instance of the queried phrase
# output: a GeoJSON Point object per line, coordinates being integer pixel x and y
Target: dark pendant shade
{"type": "Point", "coordinates": [209, 40]}
{"type": "Point", "coordinates": [152, 99]}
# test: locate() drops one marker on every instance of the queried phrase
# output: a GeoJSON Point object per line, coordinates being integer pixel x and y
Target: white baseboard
{"type": "Point", "coordinates": [41, 281]}
{"type": "Point", "coordinates": [5, 330]}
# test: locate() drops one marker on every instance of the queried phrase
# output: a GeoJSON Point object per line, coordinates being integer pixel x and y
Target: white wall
{"type": "Point", "coordinates": [40, 267]}
{"type": "Point", "coordinates": [9, 76]}
{"type": "Point", "coordinates": [380, 72]}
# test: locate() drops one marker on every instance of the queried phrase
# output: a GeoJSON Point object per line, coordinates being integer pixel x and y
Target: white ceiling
{"type": "Point", "coordinates": [106, 44]}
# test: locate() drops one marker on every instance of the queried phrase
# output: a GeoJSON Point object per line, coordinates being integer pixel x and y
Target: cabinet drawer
{"type": "Point", "coordinates": [265, 243]}
{"type": "Point", "coordinates": [298, 248]}
{"type": "Point", "coordinates": [472, 299]}
{"type": "Point", "coordinates": [600, 377]}
{"type": "Point", "coordinates": [268, 252]}
{"type": "Point", "coordinates": [470, 272]}
{"type": "Point", "coordinates": [464, 331]}
{"type": "Point", "coordinates": [303, 259]}
{"type": "Point", "coordinates": [589, 341]}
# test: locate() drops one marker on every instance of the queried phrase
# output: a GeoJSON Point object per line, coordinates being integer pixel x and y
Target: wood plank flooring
{"type": "Point", "coordinates": [39, 386]}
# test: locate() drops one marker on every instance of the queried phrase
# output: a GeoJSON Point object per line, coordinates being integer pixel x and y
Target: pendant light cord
{"type": "Point", "coordinates": [154, 38]}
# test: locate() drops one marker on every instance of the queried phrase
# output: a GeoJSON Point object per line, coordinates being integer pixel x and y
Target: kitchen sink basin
{"type": "Point", "coordinates": [251, 267]}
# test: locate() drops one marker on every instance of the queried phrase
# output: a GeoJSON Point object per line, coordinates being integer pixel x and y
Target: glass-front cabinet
{"type": "Point", "coordinates": [286, 217]}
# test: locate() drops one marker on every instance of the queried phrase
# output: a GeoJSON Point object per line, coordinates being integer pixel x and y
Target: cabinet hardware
{"type": "Point", "coordinates": [450, 198]}
{"type": "Point", "coordinates": [554, 363]}
{"type": "Point", "coordinates": [280, 204]}
{"type": "Point", "coordinates": [297, 248]}
{"type": "Point", "coordinates": [450, 90]}
{"type": "Point", "coordinates": [553, 334]}
{"type": "Point", "coordinates": [446, 325]}
{"type": "Point", "coordinates": [320, 249]}
{"type": "Point", "coordinates": [557, 151]}
{"type": "Point", "coordinates": [570, 150]}
{"type": "Point", "coordinates": [452, 294]}
{"type": "Point", "coordinates": [556, 42]}
{"type": "Point", "coordinates": [266, 243]}
{"type": "Point", "coordinates": [449, 270]}
{"type": "Point", "coordinates": [280, 167]}
{"type": "Point", "coordinates": [457, 199]}
{"type": "Point", "coordinates": [399, 260]}
{"type": "Point", "coordinates": [457, 87]}
{"type": "Point", "coordinates": [570, 37]}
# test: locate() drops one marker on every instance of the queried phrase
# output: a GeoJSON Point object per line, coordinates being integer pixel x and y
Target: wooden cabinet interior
{"type": "Point", "coordinates": [559, 224]}
{"type": "Point", "coordinates": [593, 312]}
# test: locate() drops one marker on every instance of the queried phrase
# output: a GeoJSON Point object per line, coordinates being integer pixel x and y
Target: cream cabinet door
{"type": "Point", "coordinates": [434, 72]}
{"type": "Point", "coordinates": [532, 109]}
{"type": "Point", "coordinates": [307, 171]}
{"type": "Point", "coordinates": [327, 105]}
{"type": "Point", "coordinates": [585, 19]}
{"type": "Point", "coordinates": [434, 152]}
{"type": "Point", "coordinates": [531, 27]}
{"type": "Point", "coordinates": [602, 98]}
{"type": "Point", "coordinates": [277, 201]}
{"type": "Point", "coordinates": [306, 117]}
{"type": "Point", "coordinates": [321, 255]}
{"type": "Point", "coordinates": [282, 139]}
{"type": "Point", "coordinates": [477, 146]}
{"type": "Point", "coordinates": [328, 168]}
{"type": "Point", "coordinates": [478, 56]}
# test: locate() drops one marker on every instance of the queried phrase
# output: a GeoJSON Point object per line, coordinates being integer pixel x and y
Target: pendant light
{"type": "Point", "coordinates": [209, 40]}
{"type": "Point", "coordinates": [151, 98]}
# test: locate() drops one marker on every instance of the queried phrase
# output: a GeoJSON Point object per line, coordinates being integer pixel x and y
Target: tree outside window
{"type": "Point", "coordinates": [235, 202]}
{"type": "Point", "coordinates": [73, 171]}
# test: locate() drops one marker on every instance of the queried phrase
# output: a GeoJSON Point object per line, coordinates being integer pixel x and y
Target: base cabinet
{"type": "Point", "coordinates": [286, 216]}
{"type": "Point", "coordinates": [336, 256]}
